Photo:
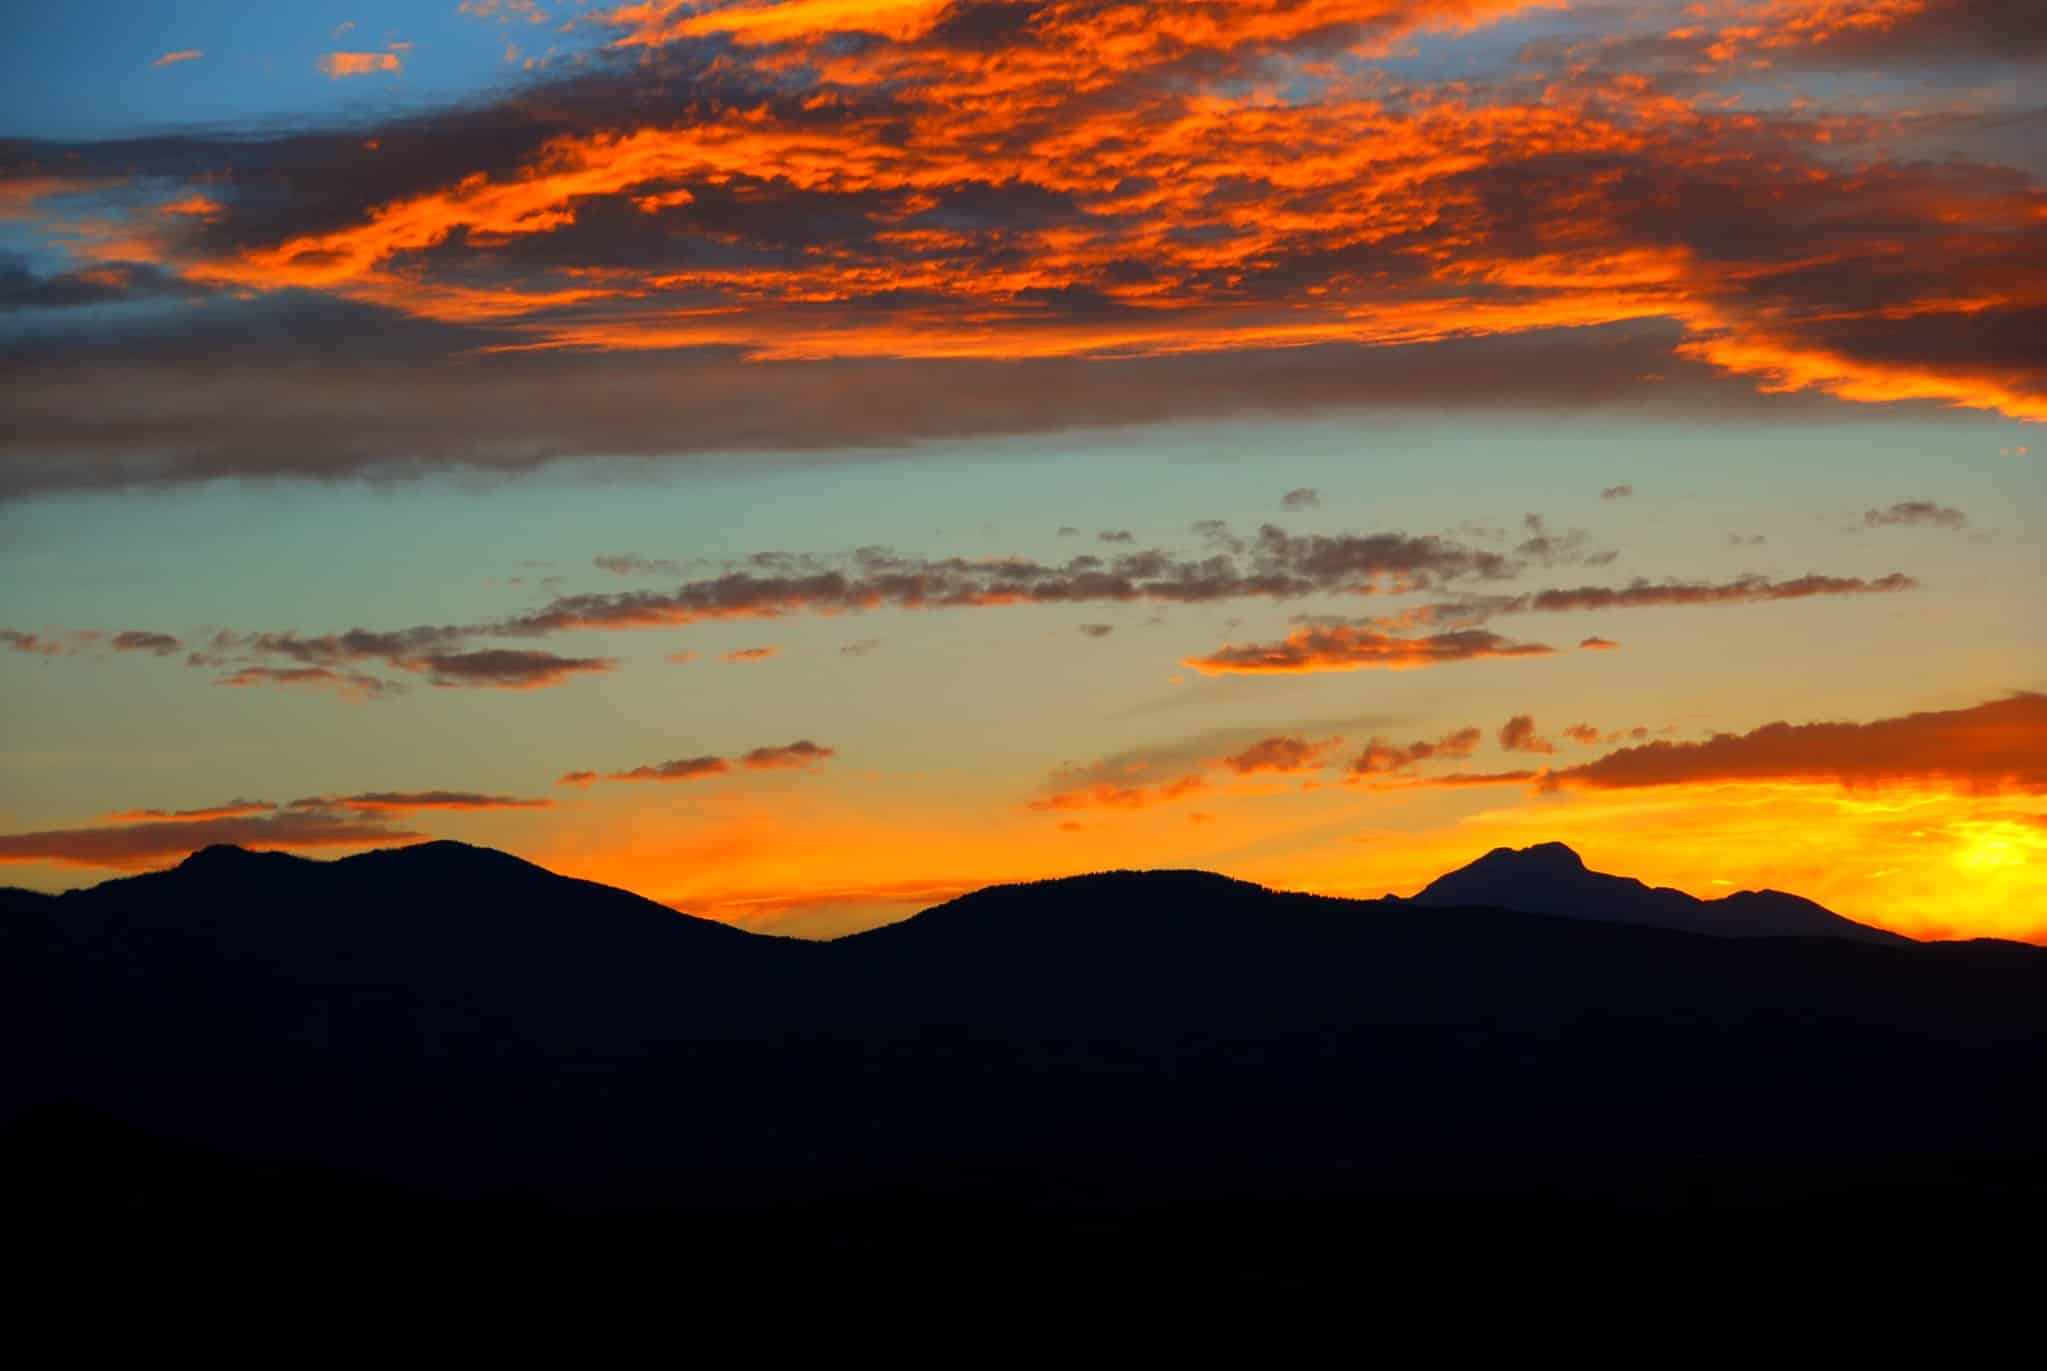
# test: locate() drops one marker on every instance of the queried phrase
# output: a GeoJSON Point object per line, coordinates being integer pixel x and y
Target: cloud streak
{"type": "Point", "coordinates": [1997, 747]}
{"type": "Point", "coordinates": [148, 844]}
{"type": "Point", "coordinates": [1360, 649]}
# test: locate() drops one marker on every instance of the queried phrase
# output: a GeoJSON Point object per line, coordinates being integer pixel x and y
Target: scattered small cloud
{"type": "Point", "coordinates": [340, 65]}
{"type": "Point", "coordinates": [1599, 644]}
{"type": "Point", "coordinates": [1282, 754]}
{"type": "Point", "coordinates": [171, 59]}
{"type": "Point", "coordinates": [33, 643]}
{"type": "Point", "coordinates": [1381, 757]}
{"type": "Point", "coordinates": [681, 769]}
{"type": "Point", "coordinates": [506, 668]}
{"type": "Point", "coordinates": [1518, 735]}
{"type": "Point", "coordinates": [797, 756]}
{"type": "Point", "coordinates": [1117, 535]}
{"type": "Point", "coordinates": [350, 685]}
{"type": "Point", "coordinates": [137, 640]}
{"type": "Point", "coordinates": [1097, 630]}
{"type": "Point", "coordinates": [1915, 512]}
{"type": "Point", "coordinates": [1305, 497]}
{"type": "Point", "coordinates": [751, 654]}
{"type": "Point", "coordinates": [1109, 795]}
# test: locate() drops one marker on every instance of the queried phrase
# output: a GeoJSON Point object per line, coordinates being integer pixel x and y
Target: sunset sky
{"type": "Point", "coordinates": [802, 459]}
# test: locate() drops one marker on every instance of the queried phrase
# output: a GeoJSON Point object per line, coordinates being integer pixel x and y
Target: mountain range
{"type": "Point", "coordinates": [454, 1025]}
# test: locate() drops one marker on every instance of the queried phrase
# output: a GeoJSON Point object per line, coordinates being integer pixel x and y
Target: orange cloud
{"type": "Point", "coordinates": [1599, 645]}
{"type": "Point", "coordinates": [752, 654]}
{"type": "Point", "coordinates": [1108, 795]}
{"type": "Point", "coordinates": [338, 65]}
{"type": "Point", "coordinates": [182, 55]}
{"type": "Point", "coordinates": [1984, 749]}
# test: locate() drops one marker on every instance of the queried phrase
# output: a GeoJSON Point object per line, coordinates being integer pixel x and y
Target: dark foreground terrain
{"type": "Point", "coordinates": [1128, 1085]}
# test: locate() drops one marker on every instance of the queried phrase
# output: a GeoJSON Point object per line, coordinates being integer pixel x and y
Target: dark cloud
{"type": "Point", "coordinates": [137, 640]}
{"type": "Point", "coordinates": [1617, 492]}
{"type": "Point", "coordinates": [797, 756]}
{"type": "Point", "coordinates": [352, 685]}
{"type": "Point", "coordinates": [33, 643]}
{"type": "Point", "coordinates": [1097, 630]}
{"type": "Point", "coordinates": [1645, 594]}
{"type": "Point", "coordinates": [680, 249]}
{"type": "Point", "coordinates": [681, 769]}
{"type": "Point", "coordinates": [1117, 535]}
{"type": "Point", "coordinates": [506, 668]}
{"type": "Point", "coordinates": [1982, 749]}
{"type": "Point", "coordinates": [1359, 649]}
{"type": "Point", "coordinates": [1280, 753]}
{"type": "Point", "coordinates": [626, 565]}
{"type": "Point", "coordinates": [1518, 735]}
{"type": "Point", "coordinates": [151, 843]}
{"type": "Point", "coordinates": [407, 801]}
{"type": "Point", "coordinates": [1303, 498]}
{"type": "Point", "coordinates": [1380, 756]}
{"type": "Point", "coordinates": [231, 809]}
{"type": "Point", "coordinates": [1915, 512]}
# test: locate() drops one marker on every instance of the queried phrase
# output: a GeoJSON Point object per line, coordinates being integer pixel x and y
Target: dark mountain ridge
{"type": "Point", "coordinates": [462, 1023]}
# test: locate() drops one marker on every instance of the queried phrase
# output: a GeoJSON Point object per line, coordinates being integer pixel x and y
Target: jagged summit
{"type": "Point", "coordinates": [1541, 856]}
{"type": "Point", "coordinates": [1550, 878]}
{"type": "Point", "coordinates": [227, 858]}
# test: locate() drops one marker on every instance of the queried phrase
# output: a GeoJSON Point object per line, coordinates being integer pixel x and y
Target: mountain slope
{"type": "Point", "coordinates": [459, 1021]}
{"type": "Point", "coordinates": [1549, 878]}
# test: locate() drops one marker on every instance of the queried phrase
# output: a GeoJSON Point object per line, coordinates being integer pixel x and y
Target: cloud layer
{"type": "Point", "coordinates": [909, 220]}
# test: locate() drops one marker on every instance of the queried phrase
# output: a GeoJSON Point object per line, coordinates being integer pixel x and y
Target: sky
{"type": "Point", "coordinates": [800, 460]}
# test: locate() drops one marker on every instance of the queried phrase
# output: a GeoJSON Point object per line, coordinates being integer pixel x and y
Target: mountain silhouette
{"type": "Point", "coordinates": [457, 1026]}
{"type": "Point", "coordinates": [1549, 878]}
